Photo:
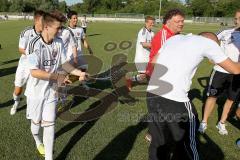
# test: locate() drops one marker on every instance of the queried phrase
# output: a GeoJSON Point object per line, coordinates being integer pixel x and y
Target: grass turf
{"type": "Point", "coordinates": [117, 134]}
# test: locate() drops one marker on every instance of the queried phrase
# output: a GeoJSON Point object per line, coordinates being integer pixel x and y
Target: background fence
{"type": "Point", "coordinates": [126, 17]}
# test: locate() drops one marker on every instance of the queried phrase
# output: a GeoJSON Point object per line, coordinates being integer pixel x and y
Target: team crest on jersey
{"type": "Point", "coordinates": [213, 92]}
{"type": "Point", "coordinates": [78, 33]}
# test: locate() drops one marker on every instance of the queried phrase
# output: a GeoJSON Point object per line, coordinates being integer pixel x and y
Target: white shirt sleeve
{"type": "Point", "coordinates": [220, 34]}
{"type": "Point", "coordinates": [72, 40]}
{"type": "Point", "coordinates": [63, 55]}
{"type": "Point", "coordinates": [214, 52]}
{"type": "Point", "coordinates": [23, 41]}
{"type": "Point", "coordinates": [142, 35]}
{"type": "Point", "coordinates": [34, 60]}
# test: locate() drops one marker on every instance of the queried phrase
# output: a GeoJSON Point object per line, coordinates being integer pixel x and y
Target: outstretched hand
{"type": "Point", "coordinates": [83, 76]}
{"type": "Point", "coordinates": [62, 79]}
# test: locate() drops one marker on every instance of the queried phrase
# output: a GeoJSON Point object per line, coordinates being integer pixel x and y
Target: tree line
{"type": "Point", "coordinates": [209, 8]}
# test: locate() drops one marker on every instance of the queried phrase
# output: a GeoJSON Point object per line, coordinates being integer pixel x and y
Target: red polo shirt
{"type": "Point", "coordinates": [158, 40]}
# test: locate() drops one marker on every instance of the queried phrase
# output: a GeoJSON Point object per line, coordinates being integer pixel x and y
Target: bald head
{"type": "Point", "coordinates": [210, 35]}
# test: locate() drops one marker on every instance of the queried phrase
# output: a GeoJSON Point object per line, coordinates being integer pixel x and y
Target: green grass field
{"type": "Point", "coordinates": [116, 135]}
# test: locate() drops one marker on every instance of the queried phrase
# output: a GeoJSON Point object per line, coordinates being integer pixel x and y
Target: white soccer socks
{"type": "Point", "coordinates": [136, 78]}
{"type": "Point", "coordinates": [48, 141]}
{"type": "Point", "coordinates": [15, 105]}
{"type": "Point", "coordinates": [35, 132]}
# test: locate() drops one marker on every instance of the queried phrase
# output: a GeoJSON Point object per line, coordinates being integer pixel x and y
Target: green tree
{"type": "Point", "coordinates": [62, 6]}
{"type": "Point", "coordinates": [202, 8]}
{"type": "Point", "coordinates": [48, 5]}
{"type": "Point", "coordinates": [227, 7]}
{"type": "Point", "coordinates": [79, 7]}
{"type": "Point", "coordinates": [91, 5]}
{"type": "Point", "coordinates": [28, 7]}
{"type": "Point", "coordinates": [16, 6]}
{"type": "Point", "coordinates": [4, 5]}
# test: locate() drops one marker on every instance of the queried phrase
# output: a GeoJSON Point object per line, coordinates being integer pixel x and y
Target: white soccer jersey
{"type": "Point", "coordinates": [69, 41]}
{"type": "Point", "coordinates": [230, 43]}
{"type": "Point", "coordinates": [142, 54]}
{"type": "Point", "coordinates": [181, 55]}
{"type": "Point", "coordinates": [78, 35]}
{"type": "Point", "coordinates": [25, 37]}
{"type": "Point", "coordinates": [46, 57]}
{"type": "Point", "coordinates": [84, 23]}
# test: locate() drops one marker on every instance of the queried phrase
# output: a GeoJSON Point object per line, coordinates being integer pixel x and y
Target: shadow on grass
{"type": "Point", "coordinates": [121, 145]}
{"type": "Point", "coordinates": [10, 103]}
{"type": "Point", "coordinates": [88, 119]}
{"type": "Point", "coordinates": [195, 93]}
{"type": "Point", "coordinates": [6, 104]}
{"type": "Point", "coordinates": [210, 150]}
{"type": "Point", "coordinates": [203, 82]}
{"type": "Point", "coordinates": [76, 122]}
{"type": "Point", "coordinates": [22, 108]}
{"type": "Point", "coordinates": [75, 138]}
{"type": "Point", "coordinates": [10, 61]}
{"type": "Point", "coordinates": [8, 71]}
{"type": "Point", "coordinates": [91, 35]}
{"type": "Point", "coordinates": [81, 132]}
{"type": "Point", "coordinates": [232, 116]}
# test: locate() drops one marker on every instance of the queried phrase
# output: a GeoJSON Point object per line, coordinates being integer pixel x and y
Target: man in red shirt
{"type": "Point", "coordinates": [173, 23]}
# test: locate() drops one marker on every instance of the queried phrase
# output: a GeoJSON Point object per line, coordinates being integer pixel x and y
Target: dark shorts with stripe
{"type": "Point", "coordinates": [222, 83]}
{"type": "Point", "coordinates": [173, 127]}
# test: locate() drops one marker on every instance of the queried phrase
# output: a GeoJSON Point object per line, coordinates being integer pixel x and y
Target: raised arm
{"type": "Point", "coordinates": [146, 45]}
{"type": "Point", "coordinates": [230, 66]}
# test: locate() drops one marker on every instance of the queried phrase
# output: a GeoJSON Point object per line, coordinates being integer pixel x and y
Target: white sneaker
{"type": "Point", "coordinates": [202, 128]}
{"type": "Point", "coordinates": [13, 110]}
{"type": "Point", "coordinates": [222, 128]}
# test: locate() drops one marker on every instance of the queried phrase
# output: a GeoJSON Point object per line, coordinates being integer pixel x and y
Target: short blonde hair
{"type": "Point", "coordinates": [147, 18]}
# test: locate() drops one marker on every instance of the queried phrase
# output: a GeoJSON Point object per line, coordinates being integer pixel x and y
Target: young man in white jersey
{"type": "Point", "coordinates": [80, 37]}
{"type": "Point", "coordinates": [70, 44]}
{"type": "Point", "coordinates": [84, 23]}
{"type": "Point", "coordinates": [173, 118]}
{"type": "Point", "coordinates": [22, 72]}
{"type": "Point", "coordinates": [221, 80]}
{"type": "Point", "coordinates": [46, 56]}
{"type": "Point", "coordinates": [143, 47]}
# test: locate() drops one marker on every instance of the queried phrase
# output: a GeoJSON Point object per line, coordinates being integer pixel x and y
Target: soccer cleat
{"type": "Point", "coordinates": [222, 128]}
{"type": "Point", "coordinates": [41, 150]}
{"type": "Point", "coordinates": [13, 110]}
{"type": "Point", "coordinates": [202, 128]}
{"type": "Point", "coordinates": [148, 137]}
